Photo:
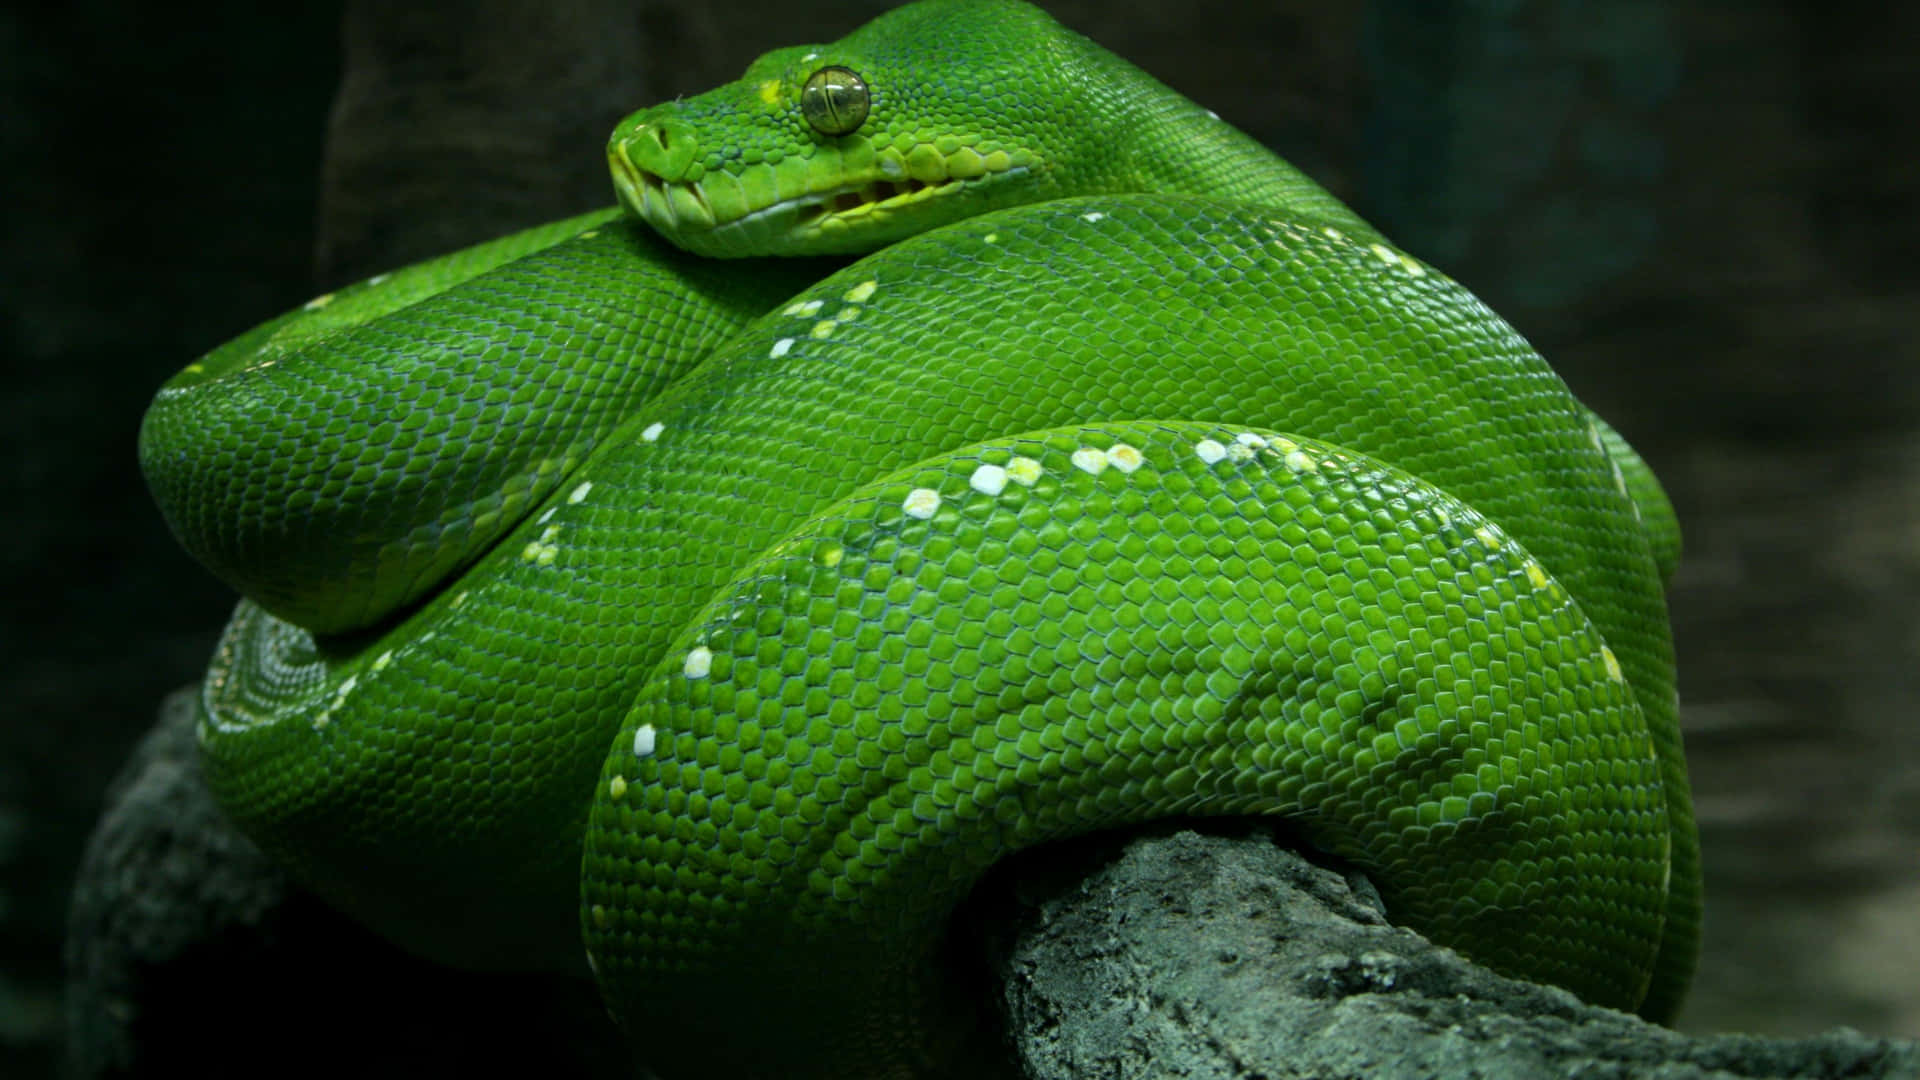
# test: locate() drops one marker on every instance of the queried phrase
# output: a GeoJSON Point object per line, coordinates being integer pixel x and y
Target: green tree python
{"type": "Point", "coordinates": [618, 600]}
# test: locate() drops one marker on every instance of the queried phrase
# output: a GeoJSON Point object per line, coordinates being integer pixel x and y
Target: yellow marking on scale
{"type": "Point", "coordinates": [831, 556]}
{"type": "Point", "coordinates": [921, 503]}
{"type": "Point", "coordinates": [862, 292]}
{"type": "Point", "coordinates": [1124, 457]}
{"type": "Point", "coordinates": [617, 788]}
{"type": "Point", "coordinates": [1090, 460]}
{"type": "Point", "coordinates": [1613, 665]}
{"type": "Point", "coordinates": [1024, 471]}
{"type": "Point", "coordinates": [318, 302]}
{"type": "Point", "coordinates": [1385, 254]}
{"type": "Point", "coordinates": [380, 662]}
{"type": "Point", "coordinates": [1536, 575]}
{"type": "Point", "coordinates": [1298, 461]}
{"type": "Point", "coordinates": [580, 493]}
{"type": "Point", "coordinates": [1488, 537]}
{"type": "Point", "coordinates": [590, 234]}
{"type": "Point", "coordinates": [542, 552]}
{"type": "Point", "coordinates": [600, 917]}
{"type": "Point", "coordinates": [770, 92]}
{"type": "Point", "coordinates": [823, 329]}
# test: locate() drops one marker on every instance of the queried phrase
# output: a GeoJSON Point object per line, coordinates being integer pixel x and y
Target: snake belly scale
{"type": "Point", "coordinates": [620, 601]}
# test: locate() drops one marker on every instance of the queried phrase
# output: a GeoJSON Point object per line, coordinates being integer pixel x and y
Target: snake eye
{"type": "Point", "coordinates": [834, 101]}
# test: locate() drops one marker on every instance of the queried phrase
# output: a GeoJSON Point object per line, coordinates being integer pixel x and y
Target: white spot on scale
{"type": "Point", "coordinates": [808, 307]}
{"type": "Point", "coordinates": [1333, 233]}
{"type": "Point", "coordinates": [643, 740]}
{"type": "Point", "coordinates": [988, 480]}
{"type": "Point", "coordinates": [1385, 254]}
{"type": "Point", "coordinates": [378, 278]}
{"type": "Point", "coordinates": [1248, 438]}
{"type": "Point", "coordinates": [319, 302]}
{"type": "Point", "coordinates": [1300, 462]}
{"type": "Point", "coordinates": [921, 503]}
{"type": "Point", "coordinates": [780, 348]}
{"type": "Point", "coordinates": [580, 493]}
{"type": "Point", "coordinates": [810, 56]}
{"type": "Point", "coordinates": [1092, 215]}
{"type": "Point", "coordinates": [699, 663]}
{"type": "Point", "coordinates": [992, 238]}
{"type": "Point", "coordinates": [1213, 114]}
{"type": "Point", "coordinates": [1090, 460]}
{"type": "Point", "coordinates": [1024, 471]}
{"type": "Point", "coordinates": [1487, 537]}
{"type": "Point", "coordinates": [1241, 451]}
{"type": "Point", "coordinates": [1209, 451]}
{"type": "Point", "coordinates": [380, 662]}
{"type": "Point", "coordinates": [546, 516]}
{"type": "Point", "coordinates": [1124, 457]}
{"type": "Point", "coordinates": [652, 434]}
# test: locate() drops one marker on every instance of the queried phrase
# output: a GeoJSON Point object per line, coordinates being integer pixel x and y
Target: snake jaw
{"type": "Point", "coordinates": [883, 203]}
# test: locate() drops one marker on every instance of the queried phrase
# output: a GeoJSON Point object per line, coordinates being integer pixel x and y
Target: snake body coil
{"type": "Point", "coordinates": [730, 620]}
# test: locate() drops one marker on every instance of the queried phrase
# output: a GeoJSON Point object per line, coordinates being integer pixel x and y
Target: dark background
{"type": "Point", "coordinates": [1703, 212]}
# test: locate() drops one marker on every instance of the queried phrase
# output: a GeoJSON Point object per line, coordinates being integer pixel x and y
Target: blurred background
{"type": "Point", "coordinates": [1704, 213]}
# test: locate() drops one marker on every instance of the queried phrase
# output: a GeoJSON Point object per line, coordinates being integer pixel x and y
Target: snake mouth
{"type": "Point", "coordinates": [718, 217]}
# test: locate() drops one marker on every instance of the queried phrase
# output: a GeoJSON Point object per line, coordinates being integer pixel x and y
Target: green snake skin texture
{"type": "Point", "coordinates": [618, 602]}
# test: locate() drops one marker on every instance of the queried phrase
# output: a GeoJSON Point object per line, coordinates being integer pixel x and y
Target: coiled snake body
{"type": "Point", "coordinates": [715, 623]}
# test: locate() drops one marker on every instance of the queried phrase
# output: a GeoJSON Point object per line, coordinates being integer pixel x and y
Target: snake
{"type": "Point", "coordinates": [954, 440]}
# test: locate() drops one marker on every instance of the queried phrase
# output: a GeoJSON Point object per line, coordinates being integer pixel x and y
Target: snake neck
{"type": "Point", "coordinates": [1164, 142]}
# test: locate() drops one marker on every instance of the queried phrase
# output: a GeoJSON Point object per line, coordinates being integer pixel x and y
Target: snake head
{"type": "Point", "coordinates": [929, 114]}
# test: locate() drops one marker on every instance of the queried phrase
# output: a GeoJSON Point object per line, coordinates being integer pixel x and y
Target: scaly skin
{"type": "Point", "coordinates": [1131, 475]}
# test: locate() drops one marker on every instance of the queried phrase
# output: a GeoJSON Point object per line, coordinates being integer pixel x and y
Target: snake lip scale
{"type": "Point", "coordinates": [683, 207]}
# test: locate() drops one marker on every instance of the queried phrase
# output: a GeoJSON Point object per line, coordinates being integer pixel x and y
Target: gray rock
{"type": "Point", "coordinates": [1229, 956]}
{"type": "Point", "coordinates": [188, 954]}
